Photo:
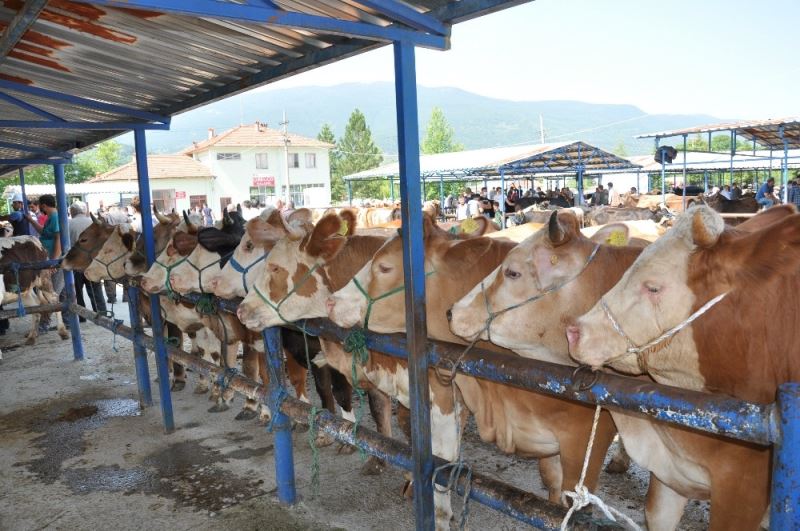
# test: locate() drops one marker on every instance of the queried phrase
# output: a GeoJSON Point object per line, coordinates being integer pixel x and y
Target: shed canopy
{"type": "Point", "coordinates": [69, 65]}
{"type": "Point", "coordinates": [769, 133]}
{"type": "Point", "coordinates": [560, 158]}
{"type": "Point", "coordinates": [700, 162]}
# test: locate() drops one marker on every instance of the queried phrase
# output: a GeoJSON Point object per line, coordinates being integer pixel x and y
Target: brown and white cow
{"type": "Point", "coordinates": [33, 286]}
{"type": "Point", "coordinates": [89, 243]}
{"type": "Point", "coordinates": [515, 420]}
{"type": "Point", "coordinates": [742, 345]}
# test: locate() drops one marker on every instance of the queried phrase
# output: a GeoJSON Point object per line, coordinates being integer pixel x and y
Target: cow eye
{"type": "Point", "coordinates": [513, 275]}
{"type": "Point", "coordinates": [652, 288]}
{"type": "Point", "coordinates": [383, 268]}
{"type": "Point", "coordinates": [273, 268]}
{"type": "Point", "coordinates": [248, 246]}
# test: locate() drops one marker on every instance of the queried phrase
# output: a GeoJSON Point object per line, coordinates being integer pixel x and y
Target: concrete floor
{"type": "Point", "coordinates": [77, 453]}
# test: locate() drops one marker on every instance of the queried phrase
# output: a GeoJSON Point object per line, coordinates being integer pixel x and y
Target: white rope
{"type": "Point", "coordinates": [581, 497]}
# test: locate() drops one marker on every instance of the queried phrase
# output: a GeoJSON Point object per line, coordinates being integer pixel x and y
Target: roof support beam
{"type": "Point", "coordinates": [30, 108]}
{"type": "Point", "coordinates": [20, 24]}
{"type": "Point", "coordinates": [407, 15]}
{"type": "Point", "coordinates": [83, 102]}
{"type": "Point", "coordinates": [96, 126]}
{"type": "Point", "coordinates": [35, 149]}
{"type": "Point", "coordinates": [28, 162]}
{"type": "Point", "coordinates": [278, 17]}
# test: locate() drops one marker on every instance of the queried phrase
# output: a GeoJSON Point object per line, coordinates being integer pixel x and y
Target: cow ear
{"type": "Point", "coordinates": [216, 241]}
{"type": "Point", "coordinates": [184, 242]}
{"type": "Point", "coordinates": [327, 239]}
{"type": "Point", "coordinates": [349, 217]}
{"type": "Point", "coordinates": [707, 226]}
{"type": "Point", "coordinates": [562, 227]}
{"type": "Point", "coordinates": [428, 226]}
{"type": "Point", "coordinates": [469, 251]}
{"type": "Point", "coordinates": [171, 250]}
{"type": "Point", "coordinates": [758, 256]}
{"type": "Point", "coordinates": [128, 240]}
{"type": "Point", "coordinates": [473, 227]}
{"type": "Point", "coordinates": [616, 234]}
{"type": "Point", "coordinates": [301, 215]}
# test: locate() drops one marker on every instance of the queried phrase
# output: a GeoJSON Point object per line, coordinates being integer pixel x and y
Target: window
{"type": "Point", "coordinates": [229, 156]}
{"type": "Point", "coordinates": [297, 192]}
{"type": "Point", "coordinates": [262, 161]}
{"type": "Point", "coordinates": [197, 201]}
{"type": "Point", "coordinates": [294, 160]}
{"type": "Point", "coordinates": [311, 160]}
{"type": "Point", "coordinates": [164, 200]}
{"type": "Point", "coordinates": [265, 195]}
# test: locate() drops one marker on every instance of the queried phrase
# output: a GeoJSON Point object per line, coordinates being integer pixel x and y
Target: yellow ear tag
{"type": "Point", "coordinates": [343, 228]}
{"type": "Point", "coordinates": [469, 225]}
{"type": "Point", "coordinates": [617, 239]}
{"type": "Point", "coordinates": [553, 259]}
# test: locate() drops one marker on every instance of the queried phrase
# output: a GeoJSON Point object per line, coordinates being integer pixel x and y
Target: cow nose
{"type": "Point", "coordinates": [329, 304]}
{"type": "Point", "coordinates": [240, 313]}
{"type": "Point", "coordinates": [449, 314]}
{"type": "Point", "coordinates": [573, 335]}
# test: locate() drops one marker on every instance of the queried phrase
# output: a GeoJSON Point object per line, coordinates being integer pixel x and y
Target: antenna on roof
{"type": "Point", "coordinates": [285, 124]}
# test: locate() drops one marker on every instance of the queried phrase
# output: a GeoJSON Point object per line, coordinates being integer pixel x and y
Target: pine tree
{"type": "Point", "coordinates": [337, 183]}
{"type": "Point", "coordinates": [358, 152]}
{"type": "Point", "coordinates": [439, 135]}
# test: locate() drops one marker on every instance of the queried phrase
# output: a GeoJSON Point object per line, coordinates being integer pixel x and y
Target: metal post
{"type": "Point", "coordinates": [579, 182]}
{"type": "Point", "coordinates": [684, 172]}
{"type": "Point", "coordinates": [441, 195]}
{"type": "Point", "coordinates": [281, 424]}
{"type": "Point", "coordinates": [414, 273]}
{"type": "Point", "coordinates": [162, 366]}
{"type": "Point", "coordinates": [733, 153]}
{"type": "Point", "coordinates": [22, 189]}
{"type": "Point", "coordinates": [784, 166]}
{"type": "Point", "coordinates": [638, 190]}
{"type": "Point", "coordinates": [139, 352]}
{"type": "Point", "coordinates": [503, 198]}
{"type": "Point", "coordinates": [785, 509]}
{"type": "Point", "coordinates": [350, 193]}
{"type": "Point", "coordinates": [424, 184]}
{"type": "Point", "coordinates": [391, 188]}
{"type": "Point", "coordinates": [69, 280]}
{"type": "Point", "coordinates": [705, 181]}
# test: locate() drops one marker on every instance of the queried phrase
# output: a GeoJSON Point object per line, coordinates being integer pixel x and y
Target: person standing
{"type": "Point", "coordinates": [50, 236]}
{"type": "Point", "coordinates": [765, 196]}
{"type": "Point", "coordinates": [614, 198]}
{"type": "Point", "coordinates": [79, 223]}
{"type": "Point", "coordinates": [17, 217]}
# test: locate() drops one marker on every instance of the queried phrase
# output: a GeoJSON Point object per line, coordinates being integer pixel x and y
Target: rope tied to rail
{"type": "Point", "coordinates": [205, 304]}
{"type": "Point", "coordinates": [225, 377]}
{"type": "Point", "coordinates": [313, 432]}
{"type": "Point", "coordinates": [355, 343]}
{"type": "Point", "coordinates": [18, 290]}
{"type": "Point", "coordinates": [115, 324]}
{"type": "Point", "coordinates": [581, 497]}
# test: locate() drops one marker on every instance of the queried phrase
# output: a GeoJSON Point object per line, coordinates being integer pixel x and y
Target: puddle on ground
{"type": "Point", "coordinates": [185, 472]}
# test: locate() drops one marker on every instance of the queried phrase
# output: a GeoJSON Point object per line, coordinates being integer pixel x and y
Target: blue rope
{"type": "Point", "coordinates": [224, 379]}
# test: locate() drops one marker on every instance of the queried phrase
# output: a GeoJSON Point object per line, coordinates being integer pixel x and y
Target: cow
{"type": "Point", "coordinates": [34, 287]}
{"type": "Point", "coordinates": [605, 215]}
{"type": "Point", "coordinates": [373, 216]}
{"type": "Point", "coordinates": [325, 258]}
{"type": "Point", "coordinates": [722, 204]}
{"type": "Point", "coordinates": [734, 282]}
{"type": "Point", "coordinates": [516, 421]}
{"type": "Point", "coordinates": [89, 243]}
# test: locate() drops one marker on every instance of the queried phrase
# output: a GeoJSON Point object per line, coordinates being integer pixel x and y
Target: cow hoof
{"type": "Point", "coordinates": [346, 449]}
{"type": "Point", "coordinates": [30, 341]}
{"type": "Point", "coordinates": [200, 390]}
{"type": "Point", "coordinates": [408, 490]}
{"type": "Point", "coordinates": [63, 334]}
{"type": "Point", "coordinates": [178, 385]}
{"type": "Point", "coordinates": [297, 427]}
{"type": "Point", "coordinates": [246, 414]}
{"type": "Point", "coordinates": [219, 408]}
{"type": "Point", "coordinates": [618, 465]}
{"type": "Point", "coordinates": [373, 467]}
{"type": "Point", "coordinates": [323, 440]}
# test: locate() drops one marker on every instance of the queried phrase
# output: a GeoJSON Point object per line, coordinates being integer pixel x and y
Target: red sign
{"type": "Point", "coordinates": [263, 180]}
{"type": "Point", "coordinates": [180, 195]}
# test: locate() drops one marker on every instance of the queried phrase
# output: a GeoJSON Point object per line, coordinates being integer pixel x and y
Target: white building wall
{"type": "Point", "coordinates": [184, 188]}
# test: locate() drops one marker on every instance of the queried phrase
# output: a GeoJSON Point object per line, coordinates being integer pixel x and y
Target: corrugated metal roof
{"type": "Point", "coordinates": [159, 167]}
{"type": "Point", "coordinates": [514, 160]}
{"type": "Point", "coordinates": [699, 162]}
{"type": "Point", "coordinates": [113, 187]}
{"type": "Point", "coordinates": [764, 132]}
{"type": "Point", "coordinates": [169, 63]}
{"type": "Point", "coordinates": [254, 135]}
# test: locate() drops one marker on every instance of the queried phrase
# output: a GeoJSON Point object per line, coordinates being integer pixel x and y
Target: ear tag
{"type": "Point", "coordinates": [553, 259]}
{"type": "Point", "coordinates": [469, 226]}
{"type": "Point", "coordinates": [617, 239]}
{"type": "Point", "coordinates": [343, 228]}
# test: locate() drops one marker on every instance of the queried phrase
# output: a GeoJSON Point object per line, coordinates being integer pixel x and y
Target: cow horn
{"type": "Point", "coordinates": [94, 219]}
{"type": "Point", "coordinates": [191, 228]}
{"type": "Point", "coordinates": [160, 217]}
{"type": "Point", "coordinates": [554, 229]}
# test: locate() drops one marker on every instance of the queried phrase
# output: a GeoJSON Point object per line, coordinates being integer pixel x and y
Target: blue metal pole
{"type": "Point", "coordinates": [579, 179]}
{"type": "Point", "coordinates": [685, 183]}
{"type": "Point", "coordinates": [784, 166]}
{"type": "Point", "coordinates": [503, 198]}
{"type": "Point", "coordinates": [785, 509]}
{"type": "Point", "coordinates": [733, 153]}
{"type": "Point", "coordinates": [391, 188]}
{"type": "Point", "coordinates": [414, 273]}
{"type": "Point", "coordinates": [281, 424]}
{"type": "Point", "coordinates": [705, 181]}
{"type": "Point", "coordinates": [69, 280]}
{"type": "Point", "coordinates": [441, 194]}
{"type": "Point", "coordinates": [162, 362]}
{"type": "Point", "coordinates": [139, 351]}
{"type": "Point", "coordinates": [22, 189]}
{"type": "Point", "coordinates": [638, 190]}
{"type": "Point", "coordinates": [350, 193]}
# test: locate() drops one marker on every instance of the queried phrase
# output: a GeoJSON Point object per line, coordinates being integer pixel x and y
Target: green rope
{"type": "Point", "coordinates": [355, 343]}
{"type": "Point", "coordinates": [313, 431]}
{"type": "Point", "coordinates": [173, 341]}
{"type": "Point", "coordinates": [205, 304]}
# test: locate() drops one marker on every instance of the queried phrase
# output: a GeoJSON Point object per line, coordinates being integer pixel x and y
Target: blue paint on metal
{"type": "Point", "coordinates": [281, 424]}
{"type": "Point", "coordinates": [33, 109]}
{"type": "Point", "coordinates": [441, 194]}
{"type": "Point", "coordinates": [22, 189]}
{"type": "Point", "coordinates": [349, 193]}
{"type": "Point", "coordinates": [139, 352]}
{"type": "Point", "coordinates": [785, 508]}
{"type": "Point", "coordinates": [36, 149]}
{"type": "Point", "coordinates": [95, 126]}
{"type": "Point", "coordinates": [32, 161]}
{"type": "Point", "coordinates": [83, 102]}
{"type": "Point", "coordinates": [685, 182]}
{"type": "Point", "coordinates": [277, 17]}
{"type": "Point", "coordinates": [733, 154]}
{"type": "Point", "coordinates": [414, 276]}
{"type": "Point", "coordinates": [502, 172]}
{"type": "Point", "coordinates": [162, 366]}
{"type": "Point", "coordinates": [19, 25]}
{"type": "Point", "coordinates": [705, 181]}
{"type": "Point", "coordinates": [69, 281]}
{"type": "Point", "coordinates": [407, 15]}
{"type": "Point", "coordinates": [391, 188]}
{"type": "Point", "coordinates": [784, 165]}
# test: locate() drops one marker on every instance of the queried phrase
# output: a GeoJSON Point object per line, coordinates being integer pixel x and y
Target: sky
{"type": "Point", "coordinates": [731, 59]}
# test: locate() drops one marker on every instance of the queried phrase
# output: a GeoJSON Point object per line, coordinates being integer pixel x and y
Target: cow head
{"type": "Point", "coordinates": [295, 274]}
{"type": "Point", "coordinates": [652, 296]}
{"type": "Point", "coordinates": [215, 246]}
{"type": "Point", "coordinates": [553, 276]}
{"type": "Point", "coordinates": [162, 233]}
{"type": "Point", "coordinates": [88, 245]}
{"type": "Point", "coordinates": [110, 260]}
{"type": "Point", "coordinates": [452, 266]}
{"type": "Point", "coordinates": [247, 262]}
{"type": "Point", "coordinates": [182, 244]}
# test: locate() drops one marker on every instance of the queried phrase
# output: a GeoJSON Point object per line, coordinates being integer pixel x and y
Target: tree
{"type": "Point", "coordinates": [620, 150]}
{"type": "Point", "coordinates": [106, 156]}
{"type": "Point", "coordinates": [337, 183]}
{"type": "Point", "coordinates": [358, 152]}
{"type": "Point", "coordinates": [439, 135]}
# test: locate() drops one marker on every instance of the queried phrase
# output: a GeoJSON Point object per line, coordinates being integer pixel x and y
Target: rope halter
{"type": "Point", "coordinates": [297, 286]}
{"type": "Point", "coordinates": [125, 254]}
{"type": "Point", "coordinates": [642, 351]}
{"type": "Point", "coordinates": [372, 300]}
{"type": "Point", "coordinates": [239, 268]}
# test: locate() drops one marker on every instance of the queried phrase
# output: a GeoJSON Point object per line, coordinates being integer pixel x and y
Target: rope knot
{"type": "Point", "coordinates": [205, 304]}
{"type": "Point", "coordinates": [356, 343]}
{"type": "Point", "coordinates": [224, 379]}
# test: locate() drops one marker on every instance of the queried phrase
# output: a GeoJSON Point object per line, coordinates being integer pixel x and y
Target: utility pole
{"type": "Point", "coordinates": [541, 129]}
{"type": "Point", "coordinates": [285, 124]}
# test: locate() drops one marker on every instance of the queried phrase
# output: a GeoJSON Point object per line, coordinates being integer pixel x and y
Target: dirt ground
{"type": "Point", "coordinates": [76, 452]}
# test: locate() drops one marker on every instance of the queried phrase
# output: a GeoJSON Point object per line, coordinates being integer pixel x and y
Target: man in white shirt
{"type": "Point", "coordinates": [462, 210]}
{"type": "Point", "coordinates": [614, 198]}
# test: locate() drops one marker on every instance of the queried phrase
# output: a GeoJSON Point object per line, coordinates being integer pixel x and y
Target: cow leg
{"type": "Point", "coordinates": [663, 508]}
{"type": "Point", "coordinates": [342, 391]}
{"type": "Point", "coordinates": [323, 383]}
{"type": "Point", "coordinates": [739, 494]}
{"type": "Point", "coordinates": [297, 377]}
{"type": "Point", "coordinates": [30, 299]}
{"type": "Point", "coordinates": [380, 406]}
{"type": "Point", "coordinates": [250, 369]}
{"type": "Point", "coordinates": [178, 370]}
{"type": "Point", "coordinates": [228, 394]}
{"type": "Point", "coordinates": [48, 296]}
{"type": "Point", "coordinates": [404, 422]}
{"type": "Point", "coordinates": [201, 387]}
{"type": "Point", "coordinates": [445, 443]}
{"type": "Point", "coordinates": [572, 447]}
{"type": "Point", "coordinates": [620, 460]}
{"type": "Point", "coordinates": [551, 473]}
{"type": "Point", "coordinates": [264, 414]}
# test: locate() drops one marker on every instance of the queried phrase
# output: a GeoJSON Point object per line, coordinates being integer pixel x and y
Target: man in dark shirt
{"type": "Point", "coordinates": [17, 217]}
{"type": "Point", "coordinates": [765, 196]}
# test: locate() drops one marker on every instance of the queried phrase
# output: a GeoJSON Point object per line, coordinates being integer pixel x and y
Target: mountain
{"type": "Point", "coordinates": [479, 121]}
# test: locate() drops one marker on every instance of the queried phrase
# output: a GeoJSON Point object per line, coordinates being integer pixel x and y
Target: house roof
{"type": "Point", "coordinates": [254, 135]}
{"type": "Point", "coordinates": [159, 167]}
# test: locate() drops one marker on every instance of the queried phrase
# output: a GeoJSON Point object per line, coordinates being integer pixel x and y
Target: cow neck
{"type": "Point", "coordinates": [125, 254]}
{"type": "Point", "coordinates": [356, 252]}
{"type": "Point", "coordinates": [243, 270]}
